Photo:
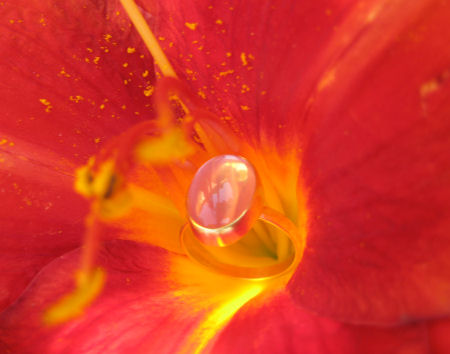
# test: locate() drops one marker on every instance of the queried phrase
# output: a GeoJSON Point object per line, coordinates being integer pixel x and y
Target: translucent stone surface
{"type": "Point", "coordinates": [221, 191]}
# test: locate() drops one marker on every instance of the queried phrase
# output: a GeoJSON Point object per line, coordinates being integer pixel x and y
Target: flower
{"type": "Point", "coordinates": [356, 90]}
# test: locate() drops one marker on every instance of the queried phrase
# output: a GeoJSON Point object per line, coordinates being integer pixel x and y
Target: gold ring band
{"type": "Point", "coordinates": [197, 252]}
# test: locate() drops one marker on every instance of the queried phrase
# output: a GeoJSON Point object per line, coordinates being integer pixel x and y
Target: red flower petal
{"type": "Point", "coordinates": [133, 304]}
{"type": "Point", "coordinates": [252, 61]}
{"type": "Point", "coordinates": [376, 166]}
{"type": "Point", "coordinates": [41, 215]}
{"type": "Point", "coordinates": [145, 307]}
{"type": "Point", "coordinates": [280, 326]}
{"type": "Point", "coordinates": [438, 334]}
{"type": "Point", "coordinates": [63, 93]}
{"type": "Point", "coordinates": [76, 74]}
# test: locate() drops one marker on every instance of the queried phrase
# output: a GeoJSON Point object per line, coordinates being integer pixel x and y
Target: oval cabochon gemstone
{"type": "Point", "coordinates": [221, 191]}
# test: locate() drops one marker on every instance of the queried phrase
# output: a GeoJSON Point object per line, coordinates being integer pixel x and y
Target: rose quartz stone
{"type": "Point", "coordinates": [222, 190]}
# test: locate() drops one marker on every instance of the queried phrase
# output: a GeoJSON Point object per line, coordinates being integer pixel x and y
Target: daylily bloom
{"type": "Point", "coordinates": [342, 108]}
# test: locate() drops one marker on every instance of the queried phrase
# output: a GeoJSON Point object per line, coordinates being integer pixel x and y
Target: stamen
{"type": "Point", "coordinates": [89, 280]}
{"type": "Point", "coordinates": [148, 37]}
{"type": "Point", "coordinates": [171, 146]}
{"type": "Point", "coordinates": [90, 243]}
{"type": "Point", "coordinates": [73, 305]}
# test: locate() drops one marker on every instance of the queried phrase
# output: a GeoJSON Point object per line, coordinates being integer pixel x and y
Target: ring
{"type": "Point", "coordinates": [224, 201]}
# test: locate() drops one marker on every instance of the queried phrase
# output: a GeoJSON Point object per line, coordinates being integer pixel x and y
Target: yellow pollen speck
{"type": "Point", "coordinates": [244, 59]}
{"type": "Point", "coordinates": [145, 73]}
{"type": "Point", "coordinates": [201, 94]}
{"type": "Point", "coordinates": [191, 25]}
{"type": "Point", "coordinates": [125, 65]}
{"type": "Point", "coordinates": [107, 37]}
{"type": "Point", "coordinates": [161, 38]}
{"type": "Point", "coordinates": [97, 140]}
{"type": "Point", "coordinates": [149, 91]}
{"type": "Point", "coordinates": [42, 21]}
{"type": "Point", "coordinates": [131, 50]}
{"type": "Point", "coordinates": [125, 82]}
{"type": "Point", "coordinates": [102, 106]}
{"type": "Point", "coordinates": [76, 99]}
{"type": "Point", "coordinates": [64, 73]}
{"type": "Point", "coordinates": [263, 93]}
{"type": "Point", "coordinates": [228, 54]}
{"type": "Point", "coordinates": [245, 108]}
{"type": "Point", "coordinates": [124, 107]}
{"type": "Point", "coordinates": [47, 104]}
{"type": "Point", "coordinates": [90, 50]}
{"type": "Point", "coordinates": [219, 21]}
{"type": "Point", "coordinates": [245, 88]}
{"type": "Point", "coordinates": [96, 60]}
{"type": "Point", "coordinates": [225, 73]}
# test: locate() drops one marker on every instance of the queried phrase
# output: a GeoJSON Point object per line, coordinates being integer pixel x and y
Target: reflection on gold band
{"type": "Point", "coordinates": [197, 252]}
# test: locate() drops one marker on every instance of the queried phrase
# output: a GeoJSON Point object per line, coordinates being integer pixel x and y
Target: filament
{"type": "Point", "coordinates": [148, 37]}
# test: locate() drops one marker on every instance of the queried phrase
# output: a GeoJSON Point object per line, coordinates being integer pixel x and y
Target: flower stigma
{"type": "Point", "coordinates": [140, 181]}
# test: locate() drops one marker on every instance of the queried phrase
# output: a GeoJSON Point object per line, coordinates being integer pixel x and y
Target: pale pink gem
{"type": "Point", "coordinates": [222, 190]}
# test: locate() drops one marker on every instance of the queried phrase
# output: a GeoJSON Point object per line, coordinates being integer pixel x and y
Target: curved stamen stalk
{"type": "Point", "coordinates": [116, 159]}
{"type": "Point", "coordinates": [148, 37]}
